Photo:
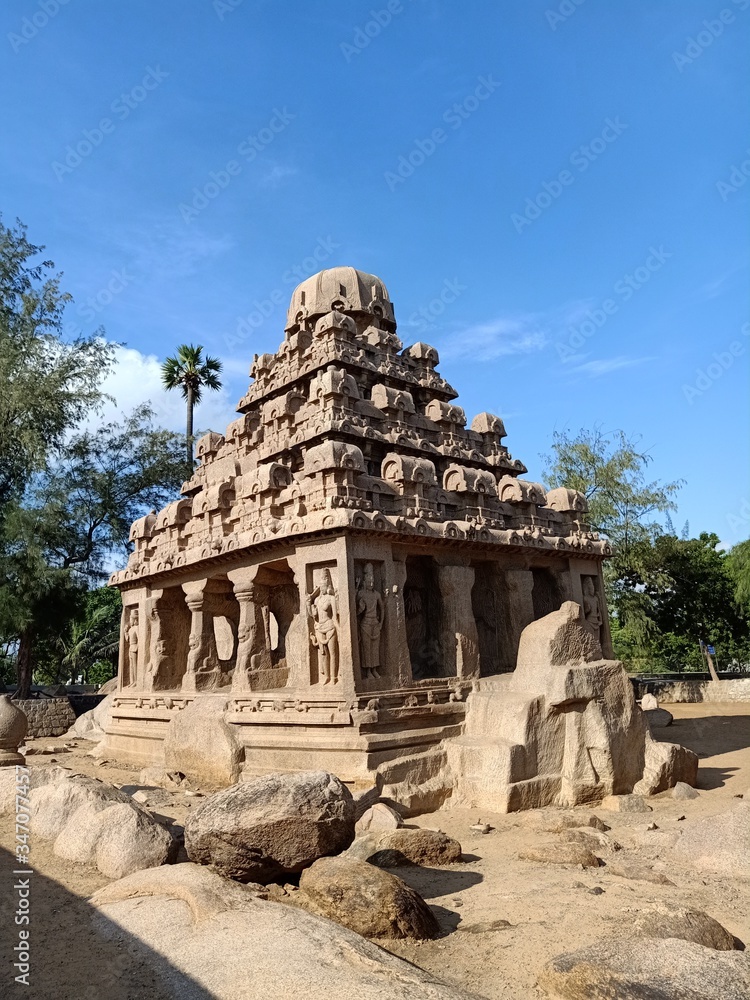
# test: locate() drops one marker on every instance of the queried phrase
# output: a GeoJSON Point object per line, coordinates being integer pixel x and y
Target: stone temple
{"type": "Point", "coordinates": [349, 561]}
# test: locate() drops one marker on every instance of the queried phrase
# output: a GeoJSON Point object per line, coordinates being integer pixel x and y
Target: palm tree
{"type": "Point", "coordinates": [192, 373]}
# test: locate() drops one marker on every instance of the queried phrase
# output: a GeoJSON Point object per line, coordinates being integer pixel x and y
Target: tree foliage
{"type": "Point", "coordinates": [665, 593]}
{"type": "Point", "coordinates": [191, 373]}
{"type": "Point", "coordinates": [610, 470]}
{"type": "Point", "coordinates": [47, 385]}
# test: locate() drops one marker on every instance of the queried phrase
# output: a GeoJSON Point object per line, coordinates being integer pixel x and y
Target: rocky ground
{"type": "Point", "coordinates": [502, 916]}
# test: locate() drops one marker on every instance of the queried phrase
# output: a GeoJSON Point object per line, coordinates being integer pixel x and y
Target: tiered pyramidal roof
{"type": "Point", "coordinates": [343, 428]}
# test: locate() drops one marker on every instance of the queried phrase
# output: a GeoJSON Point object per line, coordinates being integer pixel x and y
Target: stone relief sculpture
{"type": "Point", "coordinates": [132, 641]}
{"type": "Point", "coordinates": [370, 614]}
{"type": "Point", "coordinates": [592, 609]}
{"type": "Point", "coordinates": [322, 607]}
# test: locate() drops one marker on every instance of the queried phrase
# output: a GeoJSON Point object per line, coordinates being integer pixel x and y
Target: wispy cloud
{"type": "Point", "coordinates": [276, 175]}
{"type": "Point", "coordinates": [165, 249]}
{"type": "Point", "coordinates": [598, 367]}
{"type": "Point", "coordinates": [714, 288]}
{"type": "Point", "coordinates": [519, 333]}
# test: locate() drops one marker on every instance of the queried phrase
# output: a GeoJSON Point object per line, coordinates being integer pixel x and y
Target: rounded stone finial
{"type": "Point", "coordinates": [13, 727]}
{"type": "Point", "coordinates": [343, 289]}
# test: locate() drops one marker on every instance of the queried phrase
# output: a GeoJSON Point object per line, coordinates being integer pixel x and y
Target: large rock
{"type": "Point", "coordinates": [92, 725]}
{"type": "Point", "coordinates": [200, 932]}
{"type": "Point", "coordinates": [718, 843]}
{"type": "Point", "coordinates": [631, 969]}
{"type": "Point", "coordinates": [664, 765]}
{"type": "Point", "coordinates": [649, 703]}
{"type": "Point", "coordinates": [563, 729]}
{"type": "Point", "coordinates": [392, 848]}
{"type": "Point", "coordinates": [379, 817]}
{"type": "Point", "coordinates": [689, 925]}
{"type": "Point", "coordinates": [271, 827]}
{"type": "Point", "coordinates": [658, 718]}
{"type": "Point", "coordinates": [95, 823]}
{"type": "Point", "coordinates": [561, 854]}
{"type": "Point", "coordinates": [626, 803]}
{"type": "Point", "coordinates": [199, 744]}
{"type": "Point", "coordinates": [367, 900]}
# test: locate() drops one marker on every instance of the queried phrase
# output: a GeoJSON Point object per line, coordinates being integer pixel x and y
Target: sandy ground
{"type": "Point", "coordinates": [538, 910]}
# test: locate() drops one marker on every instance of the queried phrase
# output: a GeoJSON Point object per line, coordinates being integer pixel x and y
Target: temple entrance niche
{"type": "Point", "coordinates": [547, 594]}
{"type": "Point", "coordinates": [169, 628]}
{"type": "Point", "coordinates": [278, 596]}
{"type": "Point", "coordinates": [490, 602]}
{"type": "Point", "coordinates": [324, 621]}
{"type": "Point", "coordinates": [212, 643]}
{"type": "Point", "coordinates": [422, 606]}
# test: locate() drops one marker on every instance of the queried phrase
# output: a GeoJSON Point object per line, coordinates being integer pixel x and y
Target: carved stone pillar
{"type": "Point", "coordinates": [460, 640]}
{"type": "Point", "coordinates": [253, 650]}
{"type": "Point", "coordinates": [202, 672]}
{"type": "Point", "coordinates": [399, 663]}
{"type": "Point", "coordinates": [521, 605]}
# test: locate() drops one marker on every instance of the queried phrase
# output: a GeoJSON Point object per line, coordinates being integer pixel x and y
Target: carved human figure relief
{"type": "Point", "coordinates": [370, 615]}
{"type": "Point", "coordinates": [322, 607]}
{"type": "Point", "coordinates": [592, 609]}
{"type": "Point", "coordinates": [132, 638]}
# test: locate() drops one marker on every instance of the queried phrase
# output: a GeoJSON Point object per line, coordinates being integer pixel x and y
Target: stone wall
{"type": "Point", "coordinates": [47, 716]}
{"type": "Point", "coordinates": [694, 691]}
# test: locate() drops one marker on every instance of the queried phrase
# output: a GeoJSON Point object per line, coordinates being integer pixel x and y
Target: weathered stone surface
{"type": "Point", "coordinates": [13, 728]}
{"type": "Point", "coordinates": [689, 925]}
{"type": "Point", "coordinates": [392, 848]}
{"type": "Point", "coordinates": [37, 776]}
{"type": "Point", "coordinates": [684, 791]}
{"type": "Point", "coordinates": [590, 838]}
{"type": "Point", "coordinates": [379, 817]}
{"type": "Point", "coordinates": [658, 718]}
{"type": "Point", "coordinates": [188, 914]}
{"type": "Point", "coordinates": [93, 822]}
{"type": "Point", "coordinates": [626, 803]}
{"type": "Point", "coordinates": [649, 703]}
{"type": "Point", "coordinates": [551, 822]}
{"type": "Point", "coordinates": [272, 826]}
{"type": "Point", "coordinates": [637, 872]}
{"type": "Point", "coordinates": [664, 765]}
{"type": "Point", "coordinates": [563, 729]}
{"type": "Point", "coordinates": [626, 969]}
{"type": "Point", "coordinates": [718, 843]}
{"type": "Point", "coordinates": [561, 854]}
{"type": "Point", "coordinates": [47, 716]}
{"type": "Point", "coordinates": [201, 745]}
{"type": "Point", "coordinates": [367, 900]}
{"type": "Point", "coordinates": [92, 725]}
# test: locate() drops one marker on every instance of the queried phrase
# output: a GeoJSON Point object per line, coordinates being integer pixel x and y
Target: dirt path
{"type": "Point", "coordinates": [538, 910]}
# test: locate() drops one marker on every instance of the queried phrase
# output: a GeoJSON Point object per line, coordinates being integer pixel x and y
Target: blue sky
{"type": "Point", "coordinates": [555, 194]}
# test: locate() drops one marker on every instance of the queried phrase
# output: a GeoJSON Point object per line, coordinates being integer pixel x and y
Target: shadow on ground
{"type": "Point", "coordinates": [68, 960]}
